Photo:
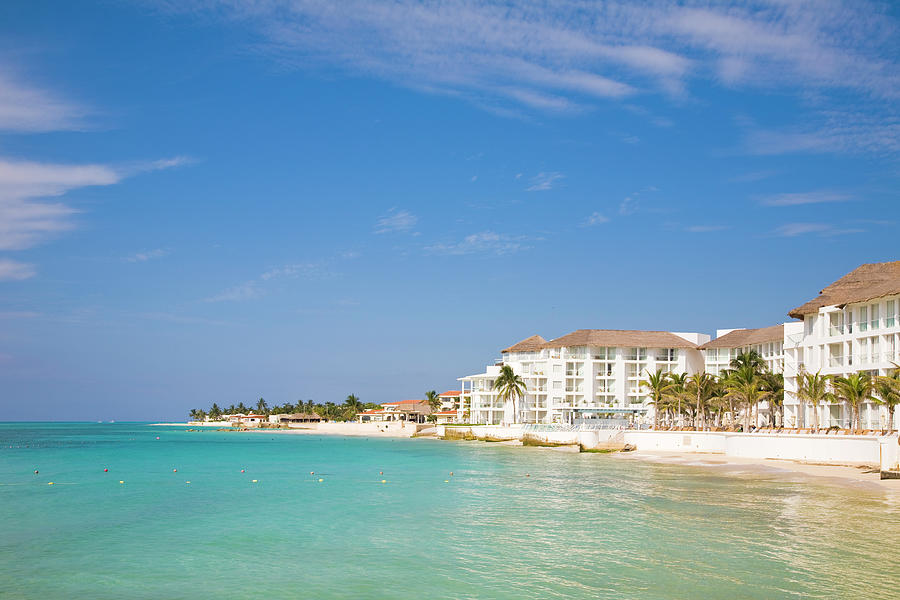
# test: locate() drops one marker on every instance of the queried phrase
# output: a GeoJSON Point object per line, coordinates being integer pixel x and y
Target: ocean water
{"type": "Point", "coordinates": [578, 526]}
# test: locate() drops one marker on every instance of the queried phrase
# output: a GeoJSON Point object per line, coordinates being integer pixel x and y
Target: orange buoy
{"type": "Point", "coordinates": [242, 470]}
{"type": "Point", "coordinates": [174, 470]}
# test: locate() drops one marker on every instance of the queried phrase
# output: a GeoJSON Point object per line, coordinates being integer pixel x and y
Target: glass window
{"type": "Point", "coordinates": [873, 316]}
{"type": "Point", "coordinates": [863, 318]}
{"type": "Point", "coordinates": [889, 313]}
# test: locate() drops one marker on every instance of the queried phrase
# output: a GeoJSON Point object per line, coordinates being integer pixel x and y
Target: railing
{"type": "Point", "coordinates": [836, 361]}
{"type": "Point", "coordinates": [601, 424]}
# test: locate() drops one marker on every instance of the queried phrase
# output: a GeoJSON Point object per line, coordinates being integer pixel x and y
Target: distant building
{"type": "Point", "coordinates": [415, 411]}
{"type": "Point", "coordinates": [589, 373]}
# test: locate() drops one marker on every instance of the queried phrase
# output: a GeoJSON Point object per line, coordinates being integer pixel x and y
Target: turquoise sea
{"type": "Point", "coordinates": [578, 526]}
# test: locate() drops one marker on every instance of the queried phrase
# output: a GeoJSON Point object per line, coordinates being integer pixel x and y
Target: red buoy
{"type": "Point", "coordinates": [106, 470]}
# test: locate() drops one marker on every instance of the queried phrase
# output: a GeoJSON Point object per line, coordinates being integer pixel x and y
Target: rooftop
{"type": "Point", "coordinates": [531, 344]}
{"type": "Point", "coordinates": [450, 394]}
{"type": "Point", "coordinates": [620, 338]}
{"type": "Point", "coordinates": [863, 283]}
{"type": "Point", "coordinates": [747, 337]}
{"type": "Point", "coordinates": [404, 402]}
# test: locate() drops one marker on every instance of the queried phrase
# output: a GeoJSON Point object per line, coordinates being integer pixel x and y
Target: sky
{"type": "Point", "coordinates": [216, 201]}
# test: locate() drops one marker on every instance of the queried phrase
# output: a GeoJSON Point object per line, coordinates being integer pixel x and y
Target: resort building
{"type": "Point", "coordinates": [450, 400]}
{"type": "Point", "coordinates": [295, 418]}
{"type": "Point", "coordinates": [768, 342]}
{"type": "Point", "coordinates": [415, 411]}
{"type": "Point", "coordinates": [852, 326]}
{"type": "Point", "coordinates": [444, 417]}
{"type": "Point", "coordinates": [587, 374]}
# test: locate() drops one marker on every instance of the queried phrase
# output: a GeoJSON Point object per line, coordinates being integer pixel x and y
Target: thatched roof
{"type": "Point", "coordinates": [747, 337]}
{"type": "Point", "coordinates": [863, 283]}
{"type": "Point", "coordinates": [532, 344]}
{"type": "Point", "coordinates": [300, 417]}
{"type": "Point", "coordinates": [620, 338]}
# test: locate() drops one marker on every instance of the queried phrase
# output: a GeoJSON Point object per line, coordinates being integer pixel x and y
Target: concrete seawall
{"type": "Point", "coordinates": [877, 451]}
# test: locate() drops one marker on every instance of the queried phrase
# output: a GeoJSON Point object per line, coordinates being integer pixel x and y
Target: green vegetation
{"type": "Point", "coordinates": [511, 387]}
{"type": "Point", "coordinates": [330, 411]}
{"type": "Point", "coordinates": [704, 400]}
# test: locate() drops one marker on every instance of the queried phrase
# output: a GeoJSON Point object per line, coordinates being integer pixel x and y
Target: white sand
{"type": "Point", "coordinates": [863, 477]}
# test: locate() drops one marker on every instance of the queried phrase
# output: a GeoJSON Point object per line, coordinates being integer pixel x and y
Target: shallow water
{"type": "Point", "coordinates": [580, 526]}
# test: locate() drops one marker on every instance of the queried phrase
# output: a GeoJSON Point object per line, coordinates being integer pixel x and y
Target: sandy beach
{"type": "Point", "coordinates": [863, 477]}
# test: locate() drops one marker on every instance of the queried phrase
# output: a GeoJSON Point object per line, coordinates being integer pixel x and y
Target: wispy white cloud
{"type": "Point", "coordinates": [249, 290]}
{"type": "Point", "coordinates": [628, 206]}
{"type": "Point", "coordinates": [27, 216]}
{"type": "Point", "coordinates": [147, 255]}
{"type": "Point", "coordinates": [559, 56]}
{"type": "Point", "coordinates": [830, 132]}
{"type": "Point", "coordinates": [396, 221]}
{"type": "Point", "coordinates": [800, 198]}
{"type": "Point", "coordinates": [292, 271]}
{"type": "Point", "coordinates": [822, 229]}
{"type": "Point", "coordinates": [25, 107]}
{"type": "Point", "coordinates": [11, 270]}
{"type": "Point", "coordinates": [259, 287]}
{"type": "Point", "coordinates": [544, 181]}
{"type": "Point", "coordinates": [595, 218]}
{"type": "Point", "coordinates": [484, 242]}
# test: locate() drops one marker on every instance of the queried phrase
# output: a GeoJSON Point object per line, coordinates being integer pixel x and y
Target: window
{"type": "Point", "coordinates": [636, 354]}
{"type": "Point", "coordinates": [667, 355]}
{"type": "Point", "coordinates": [863, 318]}
{"type": "Point", "coordinates": [873, 316]}
{"type": "Point", "coordinates": [557, 369]}
{"type": "Point", "coordinates": [890, 313]}
{"type": "Point", "coordinates": [836, 321]}
{"type": "Point", "coordinates": [557, 386]}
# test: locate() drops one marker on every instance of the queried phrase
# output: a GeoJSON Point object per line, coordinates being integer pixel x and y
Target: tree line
{"type": "Point", "coordinates": [329, 411]}
{"type": "Point", "coordinates": [706, 400]}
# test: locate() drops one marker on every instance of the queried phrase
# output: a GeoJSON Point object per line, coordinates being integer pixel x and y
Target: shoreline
{"type": "Point", "coordinates": [861, 476]}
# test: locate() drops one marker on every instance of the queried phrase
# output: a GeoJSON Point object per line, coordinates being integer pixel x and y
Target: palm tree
{"type": "Point", "coordinates": [511, 388]}
{"type": "Point", "coordinates": [677, 393]}
{"type": "Point", "coordinates": [241, 408]}
{"type": "Point", "coordinates": [701, 389]}
{"type": "Point", "coordinates": [854, 389]}
{"type": "Point", "coordinates": [774, 383]}
{"type": "Point", "coordinates": [215, 412]}
{"type": "Point", "coordinates": [745, 385]}
{"type": "Point", "coordinates": [261, 406]}
{"type": "Point", "coordinates": [813, 388]}
{"type": "Point", "coordinates": [888, 389]}
{"type": "Point", "coordinates": [750, 359]}
{"type": "Point", "coordinates": [352, 406]}
{"type": "Point", "coordinates": [433, 400]}
{"type": "Point", "coordinates": [657, 385]}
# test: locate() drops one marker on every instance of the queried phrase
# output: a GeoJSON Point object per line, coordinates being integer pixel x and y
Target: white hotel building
{"type": "Point", "coordinates": [853, 325]}
{"type": "Point", "coordinates": [582, 374]}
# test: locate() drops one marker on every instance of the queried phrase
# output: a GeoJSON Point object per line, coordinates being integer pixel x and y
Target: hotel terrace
{"type": "Point", "coordinates": [853, 325]}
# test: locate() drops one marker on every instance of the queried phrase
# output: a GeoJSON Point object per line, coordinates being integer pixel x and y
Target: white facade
{"type": "Point", "coordinates": [567, 383]}
{"type": "Point", "coordinates": [719, 359]}
{"type": "Point", "coordinates": [840, 340]}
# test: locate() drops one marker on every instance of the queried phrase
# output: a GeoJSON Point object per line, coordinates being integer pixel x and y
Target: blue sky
{"type": "Point", "coordinates": [215, 201]}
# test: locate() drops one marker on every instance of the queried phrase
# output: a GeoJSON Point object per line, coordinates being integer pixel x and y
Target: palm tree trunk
{"type": "Point", "coordinates": [890, 419]}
